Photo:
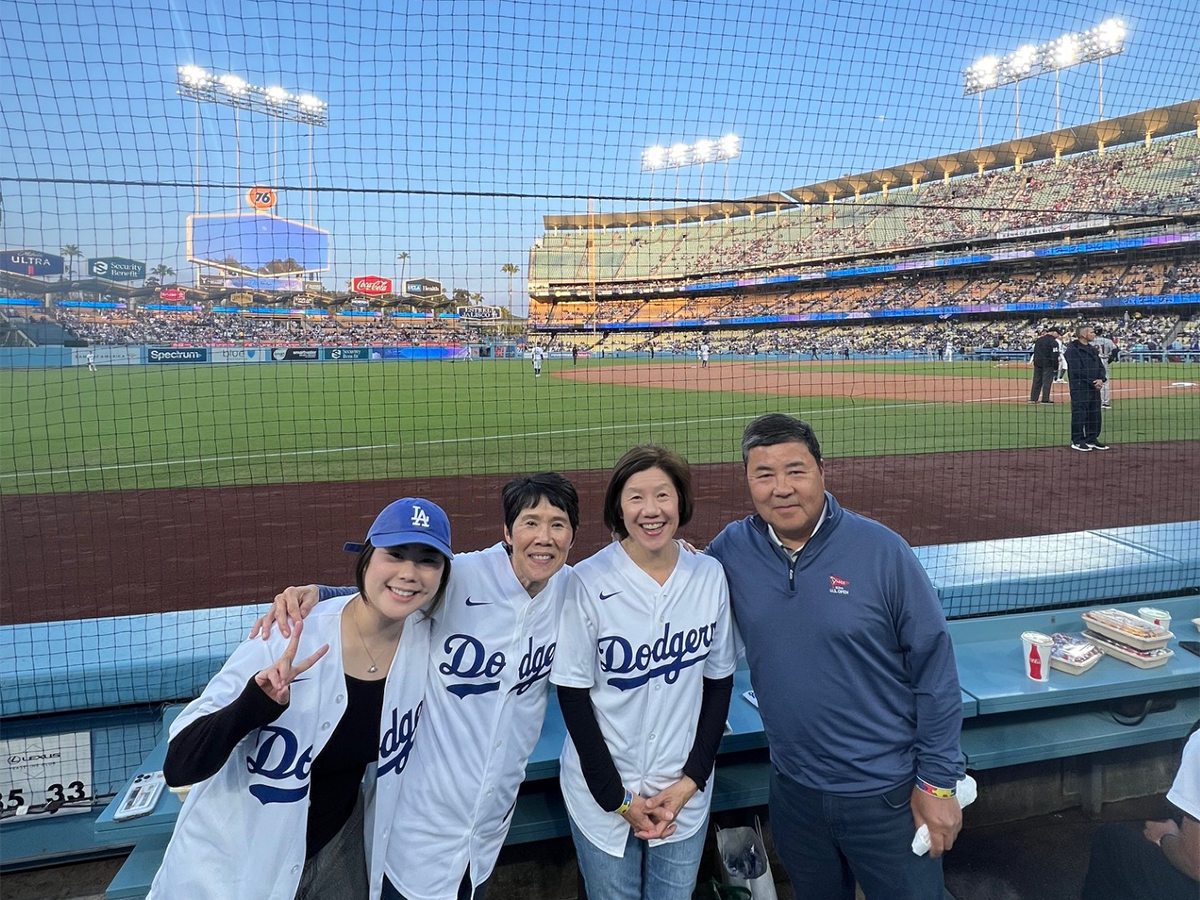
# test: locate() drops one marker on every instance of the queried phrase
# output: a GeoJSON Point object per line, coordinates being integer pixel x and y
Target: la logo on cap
{"type": "Point", "coordinates": [420, 517]}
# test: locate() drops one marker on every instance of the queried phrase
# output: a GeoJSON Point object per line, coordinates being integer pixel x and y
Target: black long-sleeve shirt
{"type": "Point", "coordinates": [203, 747]}
{"type": "Point", "coordinates": [596, 762]}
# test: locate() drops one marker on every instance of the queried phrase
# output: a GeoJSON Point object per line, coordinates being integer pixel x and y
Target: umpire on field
{"type": "Point", "coordinates": [1086, 375]}
{"type": "Point", "coordinates": [1045, 364]}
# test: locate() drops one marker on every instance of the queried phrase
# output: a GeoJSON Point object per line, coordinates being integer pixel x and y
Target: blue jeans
{"type": "Point", "coordinates": [826, 841]}
{"type": "Point", "coordinates": [665, 872]}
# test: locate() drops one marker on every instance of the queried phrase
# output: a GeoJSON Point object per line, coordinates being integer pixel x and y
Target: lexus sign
{"type": "Point", "coordinates": [371, 285]}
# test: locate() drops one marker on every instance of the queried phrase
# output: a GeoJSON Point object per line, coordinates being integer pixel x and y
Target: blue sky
{"type": "Point", "coordinates": [440, 110]}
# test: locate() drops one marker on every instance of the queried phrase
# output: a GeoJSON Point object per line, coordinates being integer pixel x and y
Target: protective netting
{"type": "Point", "coordinates": [269, 266]}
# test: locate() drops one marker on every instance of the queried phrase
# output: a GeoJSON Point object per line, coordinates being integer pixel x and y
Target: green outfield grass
{"type": "Point", "coordinates": [145, 427]}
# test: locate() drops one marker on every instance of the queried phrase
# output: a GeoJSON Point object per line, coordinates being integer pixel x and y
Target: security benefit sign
{"type": "Point", "coordinates": [479, 313]}
{"type": "Point", "coordinates": [46, 775]}
{"type": "Point", "coordinates": [116, 268]}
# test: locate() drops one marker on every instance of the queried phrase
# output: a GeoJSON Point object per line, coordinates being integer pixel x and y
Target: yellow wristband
{"type": "Point", "coordinates": [940, 792]}
{"type": "Point", "coordinates": [628, 802]}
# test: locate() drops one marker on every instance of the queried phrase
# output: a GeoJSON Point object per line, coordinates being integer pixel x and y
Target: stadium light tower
{"type": "Point", "coordinates": [1029, 61]}
{"type": "Point", "coordinates": [233, 91]}
{"type": "Point", "coordinates": [680, 155]}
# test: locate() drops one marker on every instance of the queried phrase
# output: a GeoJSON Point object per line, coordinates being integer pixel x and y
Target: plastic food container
{"type": "Point", "coordinates": [1073, 654]}
{"type": "Point", "coordinates": [1126, 628]}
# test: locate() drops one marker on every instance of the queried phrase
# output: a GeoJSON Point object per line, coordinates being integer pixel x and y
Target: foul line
{"type": "Point", "coordinates": [283, 454]}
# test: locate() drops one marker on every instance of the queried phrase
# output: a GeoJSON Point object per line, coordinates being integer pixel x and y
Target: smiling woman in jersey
{"type": "Point", "coordinates": [644, 668]}
{"type": "Point", "coordinates": [294, 762]}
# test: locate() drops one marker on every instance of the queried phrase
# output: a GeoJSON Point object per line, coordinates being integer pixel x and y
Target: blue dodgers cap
{"type": "Point", "coordinates": [412, 520]}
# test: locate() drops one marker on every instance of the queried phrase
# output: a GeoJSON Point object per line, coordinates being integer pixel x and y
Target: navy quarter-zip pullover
{"type": "Point", "coordinates": [849, 654]}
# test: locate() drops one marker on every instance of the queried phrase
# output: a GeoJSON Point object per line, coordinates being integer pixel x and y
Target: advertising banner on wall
{"type": "Point", "coordinates": [296, 354]}
{"type": "Point", "coordinates": [106, 356]}
{"type": "Point", "coordinates": [177, 354]}
{"type": "Point", "coordinates": [34, 263]}
{"type": "Point", "coordinates": [343, 353]}
{"type": "Point", "coordinates": [238, 354]}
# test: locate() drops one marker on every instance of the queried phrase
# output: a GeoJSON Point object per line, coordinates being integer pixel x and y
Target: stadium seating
{"type": "Point", "coordinates": [1129, 179]}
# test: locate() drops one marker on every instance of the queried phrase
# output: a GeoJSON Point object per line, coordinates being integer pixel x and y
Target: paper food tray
{"type": "Point", "coordinates": [1071, 668]}
{"type": "Point", "coordinates": [1143, 659]}
{"type": "Point", "coordinates": [1102, 621]}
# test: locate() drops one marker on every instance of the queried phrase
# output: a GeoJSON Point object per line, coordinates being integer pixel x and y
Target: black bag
{"type": "Point", "coordinates": [1133, 710]}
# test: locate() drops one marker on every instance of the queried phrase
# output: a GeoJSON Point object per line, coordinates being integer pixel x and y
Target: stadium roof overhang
{"type": "Point", "coordinates": [1158, 122]}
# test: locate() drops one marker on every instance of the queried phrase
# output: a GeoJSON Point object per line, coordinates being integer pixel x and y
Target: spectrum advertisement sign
{"type": "Point", "coordinates": [177, 355]}
{"type": "Point", "coordinates": [33, 263]}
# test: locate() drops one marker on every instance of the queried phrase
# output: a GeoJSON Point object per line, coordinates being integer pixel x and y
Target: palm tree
{"type": "Point", "coordinates": [510, 269]}
{"type": "Point", "coordinates": [161, 272]}
{"type": "Point", "coordinates": [70, 252]}
{"type": "Point", "coordinates": [477, 299]}
{"type": "Point", "coordinates": [403, 257]}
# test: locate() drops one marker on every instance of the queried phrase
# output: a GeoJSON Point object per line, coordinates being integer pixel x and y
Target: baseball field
{"type": "Point", "coordinates": [160, 487]}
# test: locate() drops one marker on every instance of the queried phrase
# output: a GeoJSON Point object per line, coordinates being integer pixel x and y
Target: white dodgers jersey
{"type": "Point", "coordinates": [492, 646]}
{"type": "Point", "coordinates": [644, 651]}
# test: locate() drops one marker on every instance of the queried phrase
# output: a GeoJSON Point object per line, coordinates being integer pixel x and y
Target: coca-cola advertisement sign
{"type": "Point", "coordinates": [371, 285]}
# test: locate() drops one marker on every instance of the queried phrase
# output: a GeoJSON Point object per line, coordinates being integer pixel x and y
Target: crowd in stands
{"type": "Point", "coordinates": [216, 329]}
{"type": "Point", "coordinates": [1064, 284]}
{"type": "Point", "coordinates": [1123, 183]}
{"type": "Point", "coordinates": [1133, 332]}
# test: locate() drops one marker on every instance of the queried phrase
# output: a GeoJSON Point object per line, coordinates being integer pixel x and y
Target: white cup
{"type": "Point", "coordinates": [1157, 616]}
{"type": "Point", "coordinates": [1036, 647]}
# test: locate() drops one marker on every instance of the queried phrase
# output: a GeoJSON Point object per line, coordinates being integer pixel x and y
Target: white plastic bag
{"type": "Point", "coordinates": [744, 860]}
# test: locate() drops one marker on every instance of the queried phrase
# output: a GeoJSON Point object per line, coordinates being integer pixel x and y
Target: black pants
{"type": "Point", "coordinates": [464, 889]}
{"type": "Point", "coordinates": [1126, 865]}
{"type": "Point", "coordinates": [1085, 415]}
{"type": "Point", "coordinates": [1043, 377]}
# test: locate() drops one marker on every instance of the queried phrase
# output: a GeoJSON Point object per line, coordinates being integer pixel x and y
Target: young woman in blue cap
{"type": "Point", "coordinates": [295, 753]}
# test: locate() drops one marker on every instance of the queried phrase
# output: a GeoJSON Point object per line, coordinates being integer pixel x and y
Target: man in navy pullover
{"type": "Point", "coordinates": [855, 677]}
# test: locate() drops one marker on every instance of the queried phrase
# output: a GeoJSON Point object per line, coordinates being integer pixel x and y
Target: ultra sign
{"type": "Point", "coordinates": [33, 263]}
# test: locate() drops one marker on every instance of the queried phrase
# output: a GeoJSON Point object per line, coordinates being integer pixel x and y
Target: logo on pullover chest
{"type": "Point", "coordinates": [278, 758]}
{"type": "Point", "coordinates": [468, 658]}
{"type": "Point", "coordinates": [838, 585]}
{"type": "Point", "coordinates": [396, 743]}
{"type": "Point", "coordinates": [665, 658]}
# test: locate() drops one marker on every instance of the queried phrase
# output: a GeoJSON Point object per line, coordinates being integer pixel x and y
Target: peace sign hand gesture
{"type": "Point", "coordinates": [277, 678]}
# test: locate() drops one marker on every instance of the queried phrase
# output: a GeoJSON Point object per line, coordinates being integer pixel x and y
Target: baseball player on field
{"type": "Point", "coordinates": [704, 351]}
{"type": "Point", "coordinates": [1108, 351]}
{"type": "Point", "coordinates": [278, 744]}
{"type": "Point", "coordinates": [536, 355]}
{"type": "Point", "coordinates": [644, 668]}
{"type": "Point", "coordinates": [493, 643]}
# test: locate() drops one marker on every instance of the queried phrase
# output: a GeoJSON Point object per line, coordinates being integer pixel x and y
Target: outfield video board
{"type": "Point", "coordinates": [257, 244]}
